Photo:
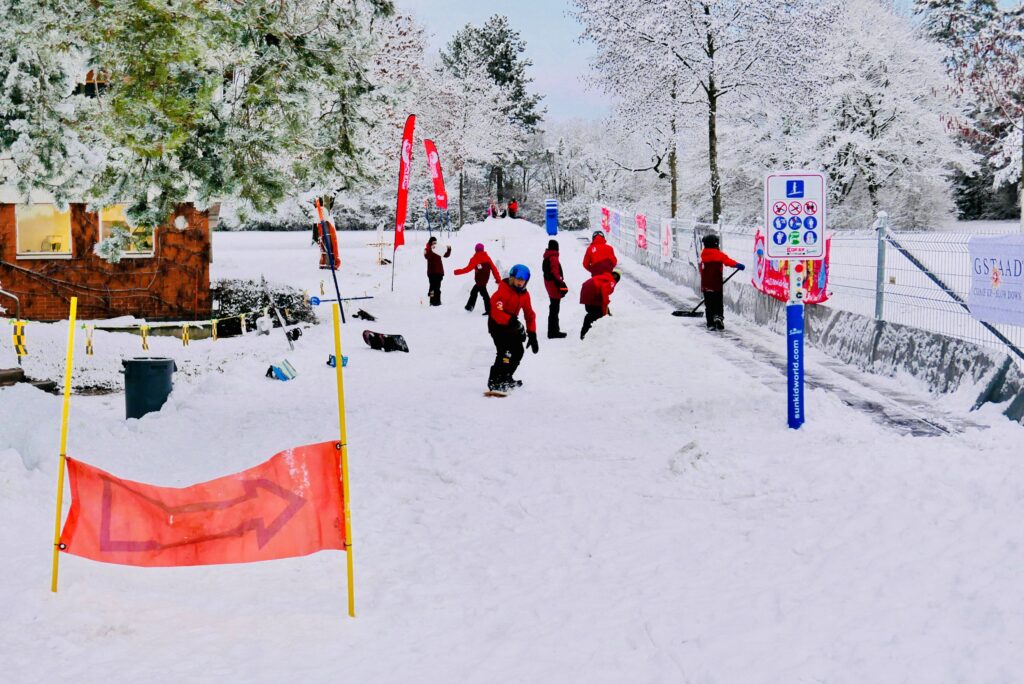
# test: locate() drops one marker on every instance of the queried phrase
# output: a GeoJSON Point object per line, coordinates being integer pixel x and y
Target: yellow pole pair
{"type": "Point", "coordinates": [63, 439]}
{"type": "Point", "coordinates": [347, 512]}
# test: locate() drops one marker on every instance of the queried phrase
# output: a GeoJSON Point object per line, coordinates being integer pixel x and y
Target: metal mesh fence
{"type": "Point", "coordinates": [925, 285]}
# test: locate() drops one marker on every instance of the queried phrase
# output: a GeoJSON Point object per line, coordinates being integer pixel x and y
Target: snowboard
{"type": "Point", "coordinates": [388, 343]}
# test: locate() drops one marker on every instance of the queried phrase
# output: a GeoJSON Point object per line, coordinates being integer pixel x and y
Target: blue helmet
{"type": "Point", "coordinates": [519, 271]}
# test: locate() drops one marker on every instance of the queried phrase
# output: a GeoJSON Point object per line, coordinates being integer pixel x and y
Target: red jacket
{"type": "Point", "coordinates": [711, 262]}
{"type": "Point", "coordinates": [506, 302]}
{"type": "Point", "coordinates": [554, 281]}
{"type": "Point", "coordinates": [598, 291]}
{"type": "Point", "coordinates": [600, 257]}
{"type": "Point", "coordinates": [434, 265]}
{"type": "Point", "coordinates": [482, 266]}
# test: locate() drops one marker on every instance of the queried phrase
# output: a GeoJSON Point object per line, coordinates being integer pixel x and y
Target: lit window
{"type": "Point", "coordinates": [139, 239]}
{"type": "Point", "coordinates": [43, 231]}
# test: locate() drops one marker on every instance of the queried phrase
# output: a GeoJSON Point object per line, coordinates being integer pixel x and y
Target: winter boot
{"type": "Point", "coordinates": [719, 323]}
{"type": "Point", "coordinates": [556, 334]}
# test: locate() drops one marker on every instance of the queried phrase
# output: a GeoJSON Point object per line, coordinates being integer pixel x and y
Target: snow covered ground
{"type": "Point", "coordinates": [637, 512]}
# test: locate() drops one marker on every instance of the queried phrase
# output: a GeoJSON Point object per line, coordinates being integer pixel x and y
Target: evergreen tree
{"type": "Point", "coordinates": [195, 99]}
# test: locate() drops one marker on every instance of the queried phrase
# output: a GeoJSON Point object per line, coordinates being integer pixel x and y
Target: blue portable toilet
{"type": "Point", "coordinates": [551, 216]}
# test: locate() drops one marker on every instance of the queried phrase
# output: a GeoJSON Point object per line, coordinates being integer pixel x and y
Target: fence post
{"type": "Point", "coordinates": [881, 225]}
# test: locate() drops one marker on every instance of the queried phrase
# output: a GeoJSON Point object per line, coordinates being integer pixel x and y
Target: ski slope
{"type": "Point", "coordinates": [637, 512]}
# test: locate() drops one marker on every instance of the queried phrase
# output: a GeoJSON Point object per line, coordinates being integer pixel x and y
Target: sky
{"type": "Point", "coordinates": [551, 35]}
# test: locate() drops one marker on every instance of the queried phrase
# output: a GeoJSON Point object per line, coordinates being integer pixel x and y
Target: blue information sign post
{"type": "Point", "coordinates": [795, 346]}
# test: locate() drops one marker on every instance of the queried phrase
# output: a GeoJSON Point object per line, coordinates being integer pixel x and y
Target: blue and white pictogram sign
{"type": "Point", "coordinates": [798, 199]}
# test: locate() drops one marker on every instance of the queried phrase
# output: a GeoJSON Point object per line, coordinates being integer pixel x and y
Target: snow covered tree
{"type": "Point", "coordinates": [194, 99]}
{"type": "Point", "coordinates": [709, 51]}
{"type": "Point", "coordinates": [500, 49]}
{"type": "Point", "coordinates": [994, 74]}
{"type": "Point", "coordinates": [464, 112]}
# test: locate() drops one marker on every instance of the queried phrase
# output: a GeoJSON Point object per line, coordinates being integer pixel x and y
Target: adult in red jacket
{"type": "Point", "coordinates": [482, 268]}
{"type": "Point", "coordinates": [712, 259]}
{"type": "Point", "coordinates": [554, 283]}
{"type": "Point", "coordinates": [513, 208]}
{"type": "Point", "coordinates": [595, 294]}
{"type": "Point", "coordinates": [600, 256]}
{"type": "Point", "coordinates": [507, 331]}
{"type": "Point", "coordinates": [435, 270]}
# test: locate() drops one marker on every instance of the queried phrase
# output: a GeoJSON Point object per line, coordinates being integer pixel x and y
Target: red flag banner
{"type": "Point", "coordinates": [291, 505]}
{"type": "Point", "coordinates": [434, 162]}
{"type": "Point", "coordinates": [404, 174]}
{"type": "Point", "coordinates": [772, 276]}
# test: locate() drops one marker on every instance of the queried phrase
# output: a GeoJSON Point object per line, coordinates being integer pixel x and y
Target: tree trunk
{"type": "Point", "coordinates": [716, 183]}
{"type": "Point", "coordinates": [672, 167]}
{"type": "Point", "coordinates": [462, 213]}
{"type": "Point", "coordinates": [499, 174]}
{"type": "Point", "coordinates": [1020, 192]}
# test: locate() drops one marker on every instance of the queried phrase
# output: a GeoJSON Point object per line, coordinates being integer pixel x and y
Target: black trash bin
{"type": "Point", "coordinates": [147, 384]}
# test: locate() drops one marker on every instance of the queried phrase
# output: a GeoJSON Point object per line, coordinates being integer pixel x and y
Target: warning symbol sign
{"type": "Point", "coordinates": [779, 208]}
{"type": "Point", "coordinates": [795, 208]}
{"type": "Point", "coordinates": [811, 207]}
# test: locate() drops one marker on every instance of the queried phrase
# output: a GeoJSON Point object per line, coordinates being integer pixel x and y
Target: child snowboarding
{"type": "Point", "coordinates": [554, 283]}
{"type": "Point", "coordinates": [600, 256]}
{"type": "Point", "coordinates": [595, 294]}
{"type": "Point", "coordinates": [482, 266]}
{"type": "Point", "coordinates": [712, 259]}
{"type": "Point", "coordinates": [435, 270]}
{"type": "Point", "coordinates": [507, 331]}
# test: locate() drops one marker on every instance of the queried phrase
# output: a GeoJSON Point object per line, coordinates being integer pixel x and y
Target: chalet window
{"type": "Point", "coordinates": [42, 231]}
{"type": "Point", "coordinates": [92, 85]}
{"type": "Point", "coordinates": [140, 238]}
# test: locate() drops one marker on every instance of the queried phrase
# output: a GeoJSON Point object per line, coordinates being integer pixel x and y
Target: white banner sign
{"type": "Point", "coordinates": [997, 279]}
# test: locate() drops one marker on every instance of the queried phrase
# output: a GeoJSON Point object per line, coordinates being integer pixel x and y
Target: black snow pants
{"type": "Point", "coordinates": [482, 291]}
{"type": "Point", "coordinates": [553, 309]}
{"type": "Point", "coordinates": [508, 348]}
{"type": "Point", "coordinates": [593, 313]}
{"type": "Point", "coordinates": [435, 288]}
{"type": "Point", "coordinates": [713, 306]}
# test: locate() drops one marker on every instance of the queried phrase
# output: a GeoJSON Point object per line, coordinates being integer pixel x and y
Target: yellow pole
{"type": "Point", "coordinates": [63, 439]}
{"type": "Point", "coordinates": [344, 460]}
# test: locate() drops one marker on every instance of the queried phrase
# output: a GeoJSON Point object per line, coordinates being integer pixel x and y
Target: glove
{"type": "Point", "coordinates": [562, 287]}
{"type": "Point", "coordinates": [534, 346]}
{"type": "Point", "coordinates": [516, 326]}
{"type": "Point", "coordinates": [740, 267]}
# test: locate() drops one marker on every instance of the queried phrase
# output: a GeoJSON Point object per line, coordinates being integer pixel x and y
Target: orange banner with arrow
{"type": "Point", "coordinates": [291, 505]}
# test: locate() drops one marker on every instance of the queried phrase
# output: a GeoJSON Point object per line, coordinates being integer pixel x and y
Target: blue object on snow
{"type": "Point", "coordinates": [551, 216]}
{"type": "Point", "coordinates": [315, 301]}
{"type": "Point", "coordinates": [332, 361]}
{"type": "Point", "coordinates": [282, 371]}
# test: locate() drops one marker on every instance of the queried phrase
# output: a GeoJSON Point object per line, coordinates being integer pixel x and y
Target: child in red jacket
{"type": "Point", "coordinates": [600, 256]}
{"type": "Point", "coordinates": [506, 330]}
{"type": "Point", "coordinates": [595, 294]}
{"type": "Point", "coordinates": [711, 261]}
{"type": "Point", "coordinates": [435, 270]}
{"type": "Point", "coordinates": [554, 283]}
{"type": "Point", "coordinates": [482, 268]}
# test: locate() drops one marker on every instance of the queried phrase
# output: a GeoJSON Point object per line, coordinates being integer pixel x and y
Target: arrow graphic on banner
{"type": "Point", "coordinates": [240, 515]}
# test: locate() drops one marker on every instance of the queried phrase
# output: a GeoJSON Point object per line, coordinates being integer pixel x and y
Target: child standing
{"type": "Point", "coordinates": [711, 261]}
{"type": "Point", "coordinates": [554, 283]}
{"type": "Point", "coordinates": [482, 268]}
{"type": "Point", "coordinates": [595, 295]}
{"type": "Point", "coordinates": [435, 270]}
